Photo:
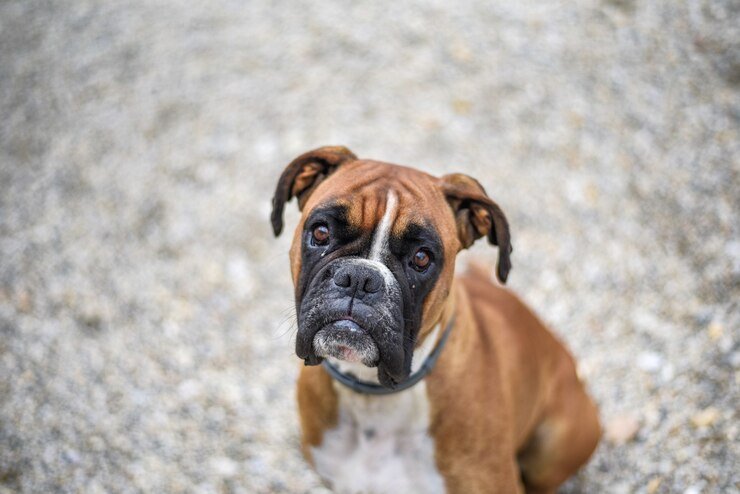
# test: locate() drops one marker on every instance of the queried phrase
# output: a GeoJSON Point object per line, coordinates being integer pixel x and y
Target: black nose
{"type": "Point", "coordinates": [358, 280]}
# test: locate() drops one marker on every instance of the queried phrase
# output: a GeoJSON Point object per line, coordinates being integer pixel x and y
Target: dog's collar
{"type": "Point", "coordinates": [367, 388]}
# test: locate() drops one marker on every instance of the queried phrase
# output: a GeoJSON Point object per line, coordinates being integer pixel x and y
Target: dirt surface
{"type": "Point", "coordinates": [146, 318]}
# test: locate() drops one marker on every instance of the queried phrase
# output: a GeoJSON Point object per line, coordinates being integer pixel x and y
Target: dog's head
{"type": "Point", "coordinates": [373, 256]}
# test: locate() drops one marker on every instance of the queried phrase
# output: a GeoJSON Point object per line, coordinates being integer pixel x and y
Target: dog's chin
{"type": "Point", "coordinates": [348, 341]}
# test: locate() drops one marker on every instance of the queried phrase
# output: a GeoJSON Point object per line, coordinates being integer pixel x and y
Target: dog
{"type": "Point", "coordinates": [416, 380]}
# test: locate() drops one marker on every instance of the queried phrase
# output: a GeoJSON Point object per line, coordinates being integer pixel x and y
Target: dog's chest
{"type": "Point", "coordinates": [381, 445]}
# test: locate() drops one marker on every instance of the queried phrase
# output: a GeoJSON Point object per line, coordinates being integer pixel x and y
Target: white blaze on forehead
{"type": "Point", "coordinates": [380, 240]}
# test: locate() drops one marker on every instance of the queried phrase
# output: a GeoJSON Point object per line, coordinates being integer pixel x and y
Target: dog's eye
{"type": "Point", "coordinates": [320, 235]}
{"type": "Point", "coordinates": [421, 260]}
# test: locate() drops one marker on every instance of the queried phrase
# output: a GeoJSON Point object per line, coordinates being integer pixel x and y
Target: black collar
{"type": "Point", "coordinates": [367, 388]}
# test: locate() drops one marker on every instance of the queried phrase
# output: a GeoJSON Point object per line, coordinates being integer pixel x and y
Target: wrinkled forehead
{"type": "Point", "coordinates": [372, 194]}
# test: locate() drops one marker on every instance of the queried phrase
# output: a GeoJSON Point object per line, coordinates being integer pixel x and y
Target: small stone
{"type": "Point", "coordinates": [189, 389]}
{"type": "Point", "coordinates": [592, 193]}
{"type": "Point", "coordinates": [462, 106]}
{"type": "Point", "coordinates": [621, 488]}
{"type": "Point", "coordinates": [224, 466]}
{"type": "Point", "coordinates": [649, 361]}
{"type": "Point", "coordinates": [461, 52]}
{"type": "Point", "coordinates": [705, 418]}
{"type": "Point", "coordinates": [71, 456]}
{"type": "Point", "coordinates": [213, 272]}
{"type": "Point", "coordinates": [653, 485]}
{"type": "Point", "coordinates": [584, 369]}
{"type": "Point", "coordinates": [240, 276]}
{"type": "Point", "coordinates": [715, 330]}
{"type": "Point", "coordinates": [92, 313]}
{"type": "Point", "coordinates": [230, 392]}
{"type": "Point", "coordinates": [694, 489]}
{"type": "Point", "coordinates": [24, 302]}
{"type": "Point", "coordinates": [667, 372]}
{"type": "Point", "coordinates": [622, 429]}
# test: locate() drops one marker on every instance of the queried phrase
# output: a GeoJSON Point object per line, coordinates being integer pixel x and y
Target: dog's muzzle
{"type": "Point", "coordinates": [346, 340]}
{"type": "Point", "coordinates": [352, 311]}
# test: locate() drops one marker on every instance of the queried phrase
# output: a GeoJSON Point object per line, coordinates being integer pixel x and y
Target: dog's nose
{"type": "Point", "coordinates": [358, 279]}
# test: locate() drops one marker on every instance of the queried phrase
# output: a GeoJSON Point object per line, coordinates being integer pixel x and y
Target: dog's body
{"type": "Point", "coordinates": [502, 409]}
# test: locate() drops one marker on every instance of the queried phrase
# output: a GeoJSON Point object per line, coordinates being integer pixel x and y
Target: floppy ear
{"type": "Point", "coordinates": [301, 177]}
{"type": "Point", "coordinates": [476, 216]}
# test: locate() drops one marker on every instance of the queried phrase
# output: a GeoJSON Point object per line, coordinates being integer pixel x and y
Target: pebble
{"type": "Point", "coordinates": [224, 467]}
{"type": "Point", "coordinates": [189, 389]}
{"type": "Point", "coordinates": [715, 330]}
{"type": "Point", "coordinates": [706, 417]}
{"type": "Point", "coordinates": [694, 489]}
{"type": "Point", "coordinates": [649, 361]}
{"type": "Point", "coordinates": [653, 485]}
{"type": "Point", "coordinates": [622, 428]}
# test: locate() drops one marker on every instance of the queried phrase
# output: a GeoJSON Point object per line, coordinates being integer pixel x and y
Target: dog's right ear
{"type": "Point", "coordinates": [303, 175]}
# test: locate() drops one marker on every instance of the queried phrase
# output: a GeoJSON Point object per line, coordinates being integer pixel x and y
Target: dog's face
{"type": "Point", "coordinates": [373, 256]}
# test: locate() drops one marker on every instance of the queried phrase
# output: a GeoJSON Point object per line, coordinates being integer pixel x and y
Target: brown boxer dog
{"type": "Point", "coordinates": [417, 381]}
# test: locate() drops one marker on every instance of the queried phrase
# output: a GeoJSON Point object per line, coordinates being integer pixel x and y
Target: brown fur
{"type": "Point", "coordinates": [317, 402]}
{"type": "Point", "coordinates": [508, 410]}
{"type": "Point", "coordinates": [506, 373]}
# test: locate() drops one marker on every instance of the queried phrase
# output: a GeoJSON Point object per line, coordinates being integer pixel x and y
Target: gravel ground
{"type": "Point", "coordinates": [146, 321]}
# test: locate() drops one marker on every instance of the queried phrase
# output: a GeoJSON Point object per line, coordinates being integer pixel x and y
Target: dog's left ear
{"type": "Point", "coordinates": [301, 177]}
{"type": "Point", "coordinates": [477, 216]}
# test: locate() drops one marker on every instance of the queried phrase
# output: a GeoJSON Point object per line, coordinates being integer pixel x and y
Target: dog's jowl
{"type": "Point", "coordinates": [416, 380]}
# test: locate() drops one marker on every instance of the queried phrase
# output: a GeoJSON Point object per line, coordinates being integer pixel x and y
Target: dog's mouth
{"type": "Point", "coordinates": [345, 339]}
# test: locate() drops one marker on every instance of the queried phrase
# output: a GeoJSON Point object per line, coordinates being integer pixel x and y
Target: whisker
{"type": "Point", "coordinates": [292, 328]}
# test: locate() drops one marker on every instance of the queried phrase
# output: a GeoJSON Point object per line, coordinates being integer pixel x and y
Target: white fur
{"type": "Point", "coordinates": [381, 443]}
{"type": "Point", "coordinates": [360, 371]}
{"type": "Point", "coordinates": [380, 240]}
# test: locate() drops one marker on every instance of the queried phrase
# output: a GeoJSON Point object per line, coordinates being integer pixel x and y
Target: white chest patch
{"type": "Point", "coordinates": [381, 443]}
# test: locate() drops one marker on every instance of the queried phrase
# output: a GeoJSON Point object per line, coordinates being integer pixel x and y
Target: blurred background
{"type": "Point", "coordinates": [146, 313]}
